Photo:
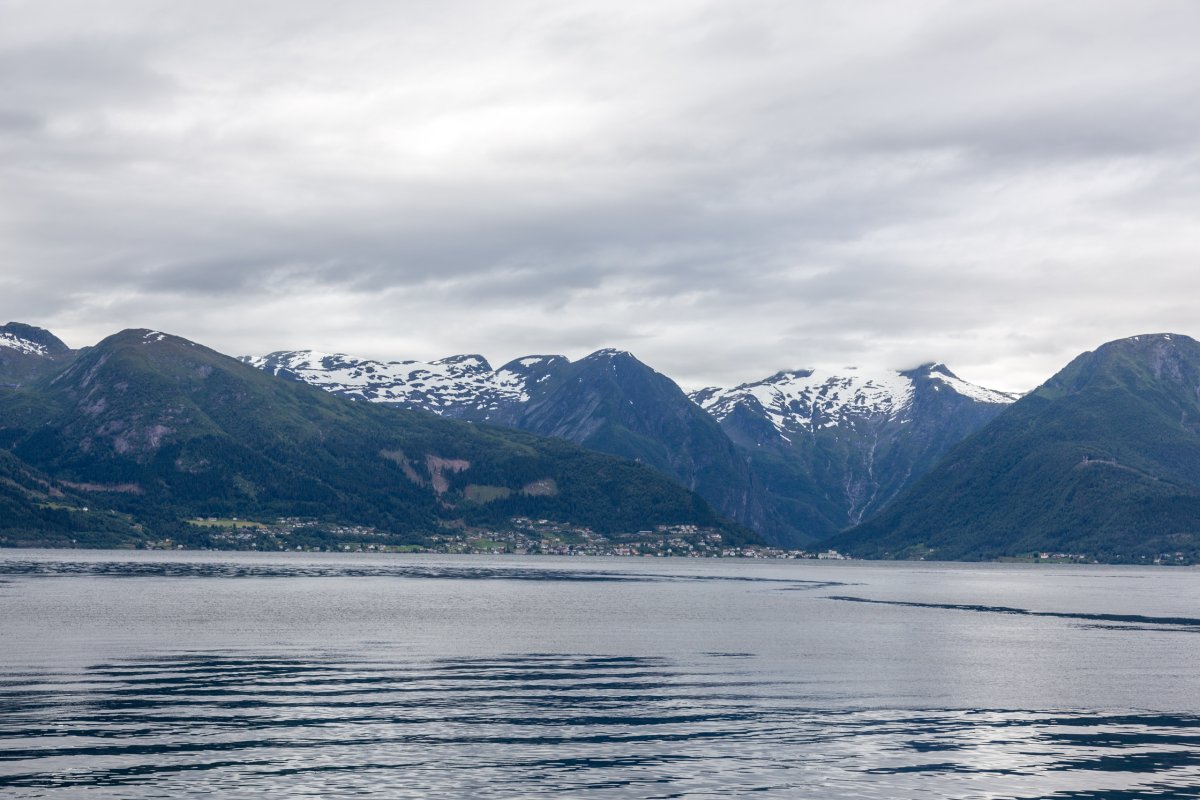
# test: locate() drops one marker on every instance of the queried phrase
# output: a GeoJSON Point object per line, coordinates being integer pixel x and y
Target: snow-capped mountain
{"type": "Point", "coordinates": [799, 455]}
{"type": "Point", "coordinates": [608, 401]}
{"type": "Point", "coordinates": [846, 443]}
{"type": "Point", "coordinates": [27, 351]}
{"type": "Point", "coordinates": [807, 400]}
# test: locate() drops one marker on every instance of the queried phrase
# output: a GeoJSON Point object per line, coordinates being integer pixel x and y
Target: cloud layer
{"type": "Point", "coordinates": [724, 189]}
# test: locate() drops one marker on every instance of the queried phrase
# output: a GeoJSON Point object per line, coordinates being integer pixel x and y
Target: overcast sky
{"type": "Point", "coordinates": [725, 189]}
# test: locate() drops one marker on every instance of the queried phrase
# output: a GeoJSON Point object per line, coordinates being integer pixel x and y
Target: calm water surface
{"type": "Point", "coordinates": [167, 675]}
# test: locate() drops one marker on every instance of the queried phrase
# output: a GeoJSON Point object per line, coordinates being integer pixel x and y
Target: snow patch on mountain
{"type": "Point", "coordinates": [939, 373]}
{"type": "Point", "coordinates": [512, 386]}
{"type": "Point", "coordinates": [446, 385]}
{"type": "Point", "coordinates": [14, 342]}
{"type": "Point", "coordinates": [467, 386]}
{"type": "Point", "coordinates": [810, 399]}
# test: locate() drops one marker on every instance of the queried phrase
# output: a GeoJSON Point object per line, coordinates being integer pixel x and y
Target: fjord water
{"type": "Point", "coordinates": [166, 675]}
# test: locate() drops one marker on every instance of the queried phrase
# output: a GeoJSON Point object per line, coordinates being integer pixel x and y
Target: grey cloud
{"type": "Point", "coordinates": [18, 122]}
{"type": "Point", "coordinates": [80, 74]}
{"type": "Point", "coordinates": [724, 190]}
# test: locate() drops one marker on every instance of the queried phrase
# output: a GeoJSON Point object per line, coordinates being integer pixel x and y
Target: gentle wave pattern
{"type": "Point", "coordinates": [531, 724]}
{"type": "Point", "coordinates": [335, 683]}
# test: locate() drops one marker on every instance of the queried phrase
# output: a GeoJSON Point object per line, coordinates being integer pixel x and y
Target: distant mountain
{"type": "Point", "coordinates": [1102, 460]}
{"type": "Point", "coordinates": [798, 456]}
{"type": "Point", "coordinates": [162, 428]}
{"type": "Point", "coordinates": [27, 352]}
{"type": "Point", "coordinates": [829, 449]}
{"type": "Point", "coordinates": [611, 402]}
{"type": "Point", "coordinates": [112, 443]}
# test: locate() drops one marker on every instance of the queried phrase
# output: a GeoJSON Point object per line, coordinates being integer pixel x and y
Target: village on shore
{"type": "Point", "coordinates": [525, 536]}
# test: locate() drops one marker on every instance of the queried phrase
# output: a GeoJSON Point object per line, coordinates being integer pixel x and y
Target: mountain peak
{"type": "Point", "coordinates": [939, 376]}
{"type": "Point", "coordinates": [467, 361]}
{"type": "Point", "coordinates": [929, 368]}
{"type": "Point", "coordinates": [1158, 337]}
{"type": "Point", "coordinates": [611, 353]}
{"type": "Point", "coordinates": [149, 336]}
{"type": "Point", "coordinates": [788, 374]}
{"type": "Point", "coordinates": [1151, 341]}
{"type": "Point", "coordinates": [1148, 360]}
{"type": "Point", "coordinates": [31, 340]}
{"type": "Point", "coordinates": [142, 336]}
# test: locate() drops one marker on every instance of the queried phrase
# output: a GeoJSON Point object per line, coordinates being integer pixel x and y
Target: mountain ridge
{"type": "Point", "coordinates": [755, 473]}
{"type": "Point", "coordinates": [1103, 456]}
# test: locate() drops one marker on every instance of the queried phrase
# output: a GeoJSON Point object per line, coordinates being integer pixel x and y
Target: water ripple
{"type": "Point", "coordinates": [38, 568]}
{"type": "Point", "coordinates": [231, 725]}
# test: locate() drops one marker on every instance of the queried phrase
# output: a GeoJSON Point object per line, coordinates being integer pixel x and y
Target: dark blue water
{"type": "Point", "coordinates": [252, 675]}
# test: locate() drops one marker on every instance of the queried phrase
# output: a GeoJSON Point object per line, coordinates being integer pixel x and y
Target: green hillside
{"type": "Point", "coordinates": [36, 511]}
{"type": "Point", "coordinates": [163, 429]}
{"type": "Point", "coordinates": [1103, 460]}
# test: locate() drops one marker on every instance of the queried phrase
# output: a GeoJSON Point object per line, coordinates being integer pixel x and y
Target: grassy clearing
{"type": "Point", "coordinates": [62, 506]}
{"type": "Point", "coordinates": [486, 544]}
{"type": "Point", "coordinates": [481, 493]}
{"type": "Point", "coordinates": [218, 522]}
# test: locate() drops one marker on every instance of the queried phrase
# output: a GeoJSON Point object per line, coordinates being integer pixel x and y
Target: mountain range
{"type": "Point", "coordinates": [797, 456]}
{"type": "Point", "coordinates": [145, 431]}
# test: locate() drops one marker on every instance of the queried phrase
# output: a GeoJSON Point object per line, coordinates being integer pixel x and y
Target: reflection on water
{"type": "Point", "coordinates": [230, 724]}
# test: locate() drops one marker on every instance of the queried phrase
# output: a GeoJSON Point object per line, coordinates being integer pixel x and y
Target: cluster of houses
{"type": "Point", "coordinates": [524, 536]}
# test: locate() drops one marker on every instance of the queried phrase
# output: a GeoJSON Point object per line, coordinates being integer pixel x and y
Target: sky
{"type": "Point", "coordinates": [724, 189]}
